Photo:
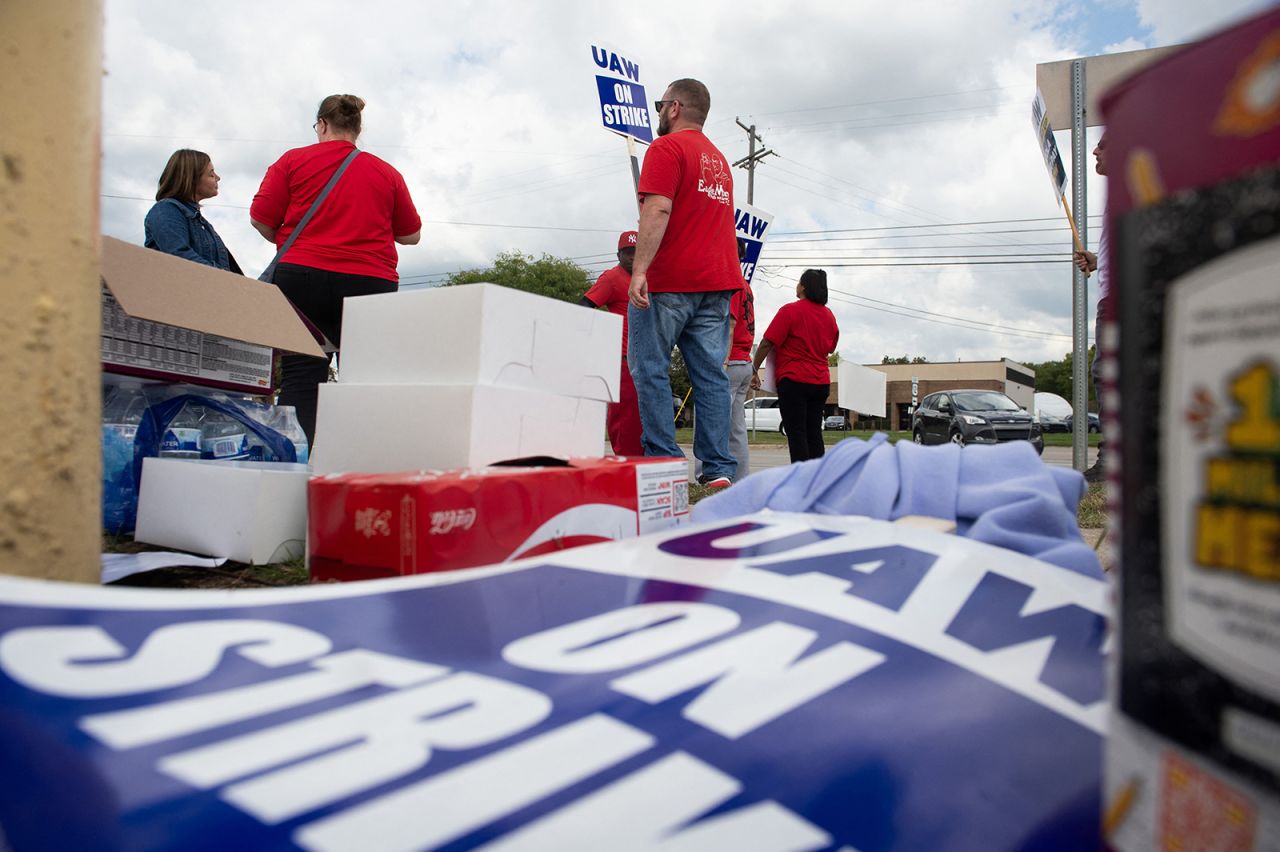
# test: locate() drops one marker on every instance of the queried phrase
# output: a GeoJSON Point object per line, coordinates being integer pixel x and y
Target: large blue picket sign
{"type": "Point", "coordinates": [623, 108]}
{"type": "Point", "coordinates": [776, 682]}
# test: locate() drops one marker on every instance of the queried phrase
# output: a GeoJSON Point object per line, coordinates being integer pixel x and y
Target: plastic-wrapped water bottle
{"type": "Point", "coordinates": [183, 436]}
{"type": "Point", "coordinates": [121, 415]}
{"type": "Point", "coordinates": [222, 437]}
{"type": "Point", "coordinates": [286, 423]}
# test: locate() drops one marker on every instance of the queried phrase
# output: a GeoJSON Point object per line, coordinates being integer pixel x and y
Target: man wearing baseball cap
{"type": "Point", "coordinates": [610, 292]}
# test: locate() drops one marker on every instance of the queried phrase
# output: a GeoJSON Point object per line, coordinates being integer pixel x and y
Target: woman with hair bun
{"type": "Point", "coordinates": [804, 333]}
{"type": "Point", "coordinates": [174, 225]}
{"type": "Point", "coordinates": [346, 249]}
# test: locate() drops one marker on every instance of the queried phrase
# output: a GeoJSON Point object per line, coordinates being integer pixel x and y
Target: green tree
{"type": "Point", "coordinates": [554, 277]}
{"type": "Point", "coordinates": [1055, 377]}
{"type": "Point", "coordinates": [904, 359]}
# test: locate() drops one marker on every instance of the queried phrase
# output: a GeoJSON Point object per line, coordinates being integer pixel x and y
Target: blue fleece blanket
{"type": "Point", "coordinates": [1002, 495]}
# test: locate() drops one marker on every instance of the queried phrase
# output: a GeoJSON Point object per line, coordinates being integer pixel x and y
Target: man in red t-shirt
{"type": "Point", "coordinates": [686, 269]}
{"type": "Point", "coordinates": [610, 292]}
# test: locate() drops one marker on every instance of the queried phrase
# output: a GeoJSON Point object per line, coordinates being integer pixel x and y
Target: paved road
{"type": "Point", "coordinates": [774, 455]}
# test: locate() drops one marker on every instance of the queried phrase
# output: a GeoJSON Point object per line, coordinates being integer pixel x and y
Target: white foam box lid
{"type": "Point", "coordinates": [482, 334]}
{"type": "Point", "coordinates": [253, 512]}
{"type": "Point", "coordinates": [364, 428]}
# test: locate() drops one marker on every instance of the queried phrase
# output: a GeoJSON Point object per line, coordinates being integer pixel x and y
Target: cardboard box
{"type": "Point", "coordinates": [254, 512]}
{"type": "Point", "coordinates": [482, 334]}
{"type": "Point", "coordinates": [167, 318]}
{"type": "Point", "coordinates": [364, 526]}
{"type": "Point", "coordinates": [385, 428]}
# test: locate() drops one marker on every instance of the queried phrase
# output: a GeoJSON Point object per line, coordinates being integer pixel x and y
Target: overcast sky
{"type": "Point", "coordinates": [885, 117]}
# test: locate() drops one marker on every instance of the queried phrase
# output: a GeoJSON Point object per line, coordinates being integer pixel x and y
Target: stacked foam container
{"type": "Point", "coordinates": [435, 388]}
{"type": "Point", "coordinates": [462, 377]}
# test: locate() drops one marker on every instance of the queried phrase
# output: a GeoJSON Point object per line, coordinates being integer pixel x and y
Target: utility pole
{"type": "Point", "coordinates": [749, 162]}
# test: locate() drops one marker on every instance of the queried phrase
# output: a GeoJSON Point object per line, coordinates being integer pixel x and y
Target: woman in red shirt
{"type": "Point", "coordinates": [346, 249]}
{"type": "Point", "coordinates": [803, 334]}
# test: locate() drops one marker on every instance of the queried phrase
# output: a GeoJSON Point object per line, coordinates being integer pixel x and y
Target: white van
{"type": "Point", "coordinates": [1051, 412]}
{"type": "Point", "coordinates": [763, 414]}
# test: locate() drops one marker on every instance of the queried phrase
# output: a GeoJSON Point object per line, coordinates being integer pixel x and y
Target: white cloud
{"type": "Point", "coordinates": [1176, 21]}
{"type": "Point", "coordinates": [883, 115]}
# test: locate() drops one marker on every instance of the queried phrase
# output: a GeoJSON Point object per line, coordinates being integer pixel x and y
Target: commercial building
{"type": "Point", "coordinates": [907, 384]}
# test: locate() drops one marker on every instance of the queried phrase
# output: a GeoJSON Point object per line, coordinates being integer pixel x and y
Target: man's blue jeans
{"type": "Point", "coordinates": [699, 324]}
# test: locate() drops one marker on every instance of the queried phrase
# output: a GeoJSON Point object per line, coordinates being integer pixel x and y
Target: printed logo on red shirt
{"type": "Point", "coordinates": [714, 177]}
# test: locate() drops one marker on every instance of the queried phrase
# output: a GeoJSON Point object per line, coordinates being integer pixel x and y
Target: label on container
{"type": "Point", "coordinates": [662, 494]}
{"type": "Point", "coordinates": [1220, 462]}
{"type": "Point", "coordinates": [181, 442]}
{"type": "Point", "coordinates": [225, 447]}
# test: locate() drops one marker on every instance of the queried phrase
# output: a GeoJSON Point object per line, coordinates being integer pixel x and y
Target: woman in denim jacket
{"type": "Point", "coordinates": [174, 225]}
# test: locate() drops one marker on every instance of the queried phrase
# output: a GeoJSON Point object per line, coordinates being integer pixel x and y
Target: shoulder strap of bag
{"type": "Point", "coordinates": [269, 273]}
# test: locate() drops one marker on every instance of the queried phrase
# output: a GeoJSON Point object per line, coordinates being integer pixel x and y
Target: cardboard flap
{"type": "Point", "coordinates": [162, 288]}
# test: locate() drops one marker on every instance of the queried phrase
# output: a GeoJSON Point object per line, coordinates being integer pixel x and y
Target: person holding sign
{"type": "Point", "coordinates": [610, 292]}
{"type": "Point", "coordinates": [804, 333]}
{"type": "Point", "coordinates": [1087, 262]}
{"type": "Point", "coordinates": [685, 272]}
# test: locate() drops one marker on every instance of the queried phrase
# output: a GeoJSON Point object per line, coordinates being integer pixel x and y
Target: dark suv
{"type": "Point", "coordinates": [973, 417]}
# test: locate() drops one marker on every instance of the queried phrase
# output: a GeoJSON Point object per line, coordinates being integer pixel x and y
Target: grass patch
{"type": "Point", "coordinates": [829, 437]}
{"type": "Point", "coordinates": [1092, 513]}
{"type": "Point", "coordinates": [1064, 439]}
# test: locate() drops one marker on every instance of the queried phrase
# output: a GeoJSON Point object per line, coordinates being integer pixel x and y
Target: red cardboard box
{"type": "Point", "coordinates": [362, 526]}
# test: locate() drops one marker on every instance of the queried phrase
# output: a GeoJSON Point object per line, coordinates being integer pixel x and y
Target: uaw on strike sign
{"type": "Point", "coordinates": [773, 682]}
{"type": "Point", "coordinates": [623, 107]}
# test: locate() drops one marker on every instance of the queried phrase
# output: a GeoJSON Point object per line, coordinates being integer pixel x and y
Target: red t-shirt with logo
{"type": "Point", "coordinates": [803, 333]}
{"type": "Point", "coordinates": [699, 251]}
{"type": "Point", "coordinates": [610, 292]}
{"type": "Point", "coordinates": [743, 310]}
{"type": "Point", "coordinates": [352, 230]}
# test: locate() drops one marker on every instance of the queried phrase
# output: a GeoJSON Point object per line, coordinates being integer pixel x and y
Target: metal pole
{"type": "Point", "coordinates": [1079, 282]}
{"type": "Point", "coordinates": [635, 168]}
{"type": "Point", "coordinates": [751, 167]}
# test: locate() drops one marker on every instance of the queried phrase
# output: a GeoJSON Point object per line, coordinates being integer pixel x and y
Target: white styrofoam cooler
{"type": "Point", "coordinates": [862, 389]}
{"type": "Point", "coordinates": [254, 512]}
{"type": "Point", "coordinates": [482, 334]}
{"type": "Point", "coordinates": [365, 428]}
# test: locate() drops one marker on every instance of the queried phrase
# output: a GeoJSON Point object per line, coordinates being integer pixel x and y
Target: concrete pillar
{"type": "Point", "coordinates": [50, 396]}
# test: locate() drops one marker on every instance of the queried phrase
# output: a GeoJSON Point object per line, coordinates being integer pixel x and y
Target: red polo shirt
{"type": "Point", "coordinates": [610, 292]}
{"type": "Point", "coordinates": [803, 333]}
{"type": "Point", "coordinates": [352, 230]}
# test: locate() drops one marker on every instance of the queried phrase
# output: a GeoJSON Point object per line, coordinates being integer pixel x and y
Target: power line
{"type": "Point", "coordinates": [972, 108]}
{"type": "Point", "coordinates": [772, 257]}
{"type": "Point", "coordinates": [937, 225]}
{"type": "Point", "coordinates": [938, 263]}
{"type": "Point", "coordinates": [885, 101]}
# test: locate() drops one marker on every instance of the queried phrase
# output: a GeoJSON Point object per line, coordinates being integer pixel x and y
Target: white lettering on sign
{"type": "Point", "coordinates": [630, 116]}
{"type": "Point", "coordinates": [85, 662]}
{"type": "Point", "coordinates": [615, 64]}
{"type": "Point", "coordinates": [334, 675]}
{"type": "Point", "coordinates": [437, 810]}
{"type": "Point", "coordinates": [621, 638]}
{"type": "Point", "coordinates": [752, 678]}
{"type": "Point", "coordinates": [752, 226]}
{"type": "Point", "coordinates": [652, 808]}
{"type": "Point", "coordinates": [622, 93]}
{"type": "Point", "coordinates": [376, 741]}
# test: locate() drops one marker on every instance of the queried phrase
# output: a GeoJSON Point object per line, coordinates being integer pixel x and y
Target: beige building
{"type": "Point", "coordinates": [907, 384]}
